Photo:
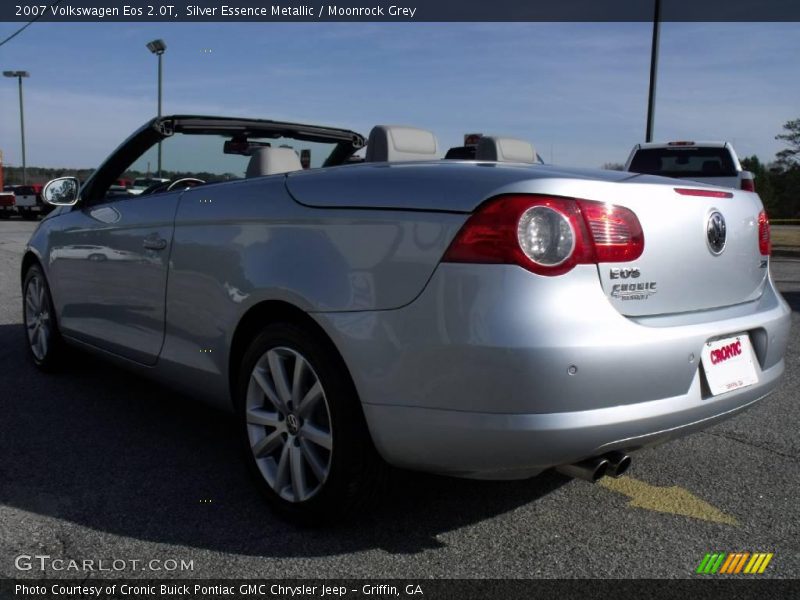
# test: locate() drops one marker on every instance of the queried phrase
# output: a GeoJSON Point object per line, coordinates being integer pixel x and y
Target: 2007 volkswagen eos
{"type": "Point", "coordinates": [486, 318]}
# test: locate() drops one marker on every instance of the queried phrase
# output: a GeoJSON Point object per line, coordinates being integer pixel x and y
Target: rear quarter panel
{"type": "Point", "coordinates": [242, 243]}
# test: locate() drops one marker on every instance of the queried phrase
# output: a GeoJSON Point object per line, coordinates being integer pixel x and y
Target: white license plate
{"type": "Point", "coordinates": [729, 364]}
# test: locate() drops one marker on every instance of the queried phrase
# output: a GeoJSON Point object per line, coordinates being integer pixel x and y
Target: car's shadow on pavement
{"type": "Point", "coordinates": [100, 447]}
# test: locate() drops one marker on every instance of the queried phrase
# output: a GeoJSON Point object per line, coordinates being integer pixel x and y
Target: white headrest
{"type": "Point", "coordinates": [505, 150]}
{"type": "Point", "coordinates": [271, 161]}
{"type": "Point", "coordinates": [390, 143]}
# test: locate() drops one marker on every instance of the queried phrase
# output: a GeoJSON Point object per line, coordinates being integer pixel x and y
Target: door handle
{"type": "Point", "coordinates": [153, 243]}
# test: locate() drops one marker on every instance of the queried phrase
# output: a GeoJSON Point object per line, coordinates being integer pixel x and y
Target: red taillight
{"type": "Point", "coordinates": [764, 237]}
{"type": "Point", "coordinates": [491, 234]}
{"type": "Point", "coordinates": [547, 235]}
{"type": "Point", "coordinates": [748, 185]}
{"type": "Point", "coordinates": [616, 232]}
{"type": "Point", "coordinates": [703, 193]}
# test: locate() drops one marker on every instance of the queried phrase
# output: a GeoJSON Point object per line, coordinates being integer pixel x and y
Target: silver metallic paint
{"type": "Point", "coordinates": [116, 303]}
{"type": "Point", "coordinates": [498, 339]}
{"type": "Point", "coordinates": [440, 353]}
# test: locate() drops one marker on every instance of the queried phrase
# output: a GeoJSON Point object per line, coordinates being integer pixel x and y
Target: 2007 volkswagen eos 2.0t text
{"type": "Point", "coordinates": [486, 318]}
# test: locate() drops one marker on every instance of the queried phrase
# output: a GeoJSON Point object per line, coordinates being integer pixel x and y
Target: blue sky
{"type": "Point", "coordinates": [578, 91]}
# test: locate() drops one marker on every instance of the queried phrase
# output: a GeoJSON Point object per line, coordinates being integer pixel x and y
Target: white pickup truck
{"type": "Point", "coordinates": [715, 163]}
{"type": "Point", "coordinates": [28, 200]}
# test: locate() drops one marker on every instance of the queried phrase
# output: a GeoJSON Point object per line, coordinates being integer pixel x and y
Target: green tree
{"type": "Point", "coordinates": [786, 185]}
{"type": "Point", "coordinates": [789, 158]}
{"type": "Point", "coordinates": [786, 177]}
{"type": "Point", "coordinates": [763, 180]}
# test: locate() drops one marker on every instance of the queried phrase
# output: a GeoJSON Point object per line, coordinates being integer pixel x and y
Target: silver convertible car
{"type": "Point", "coordinates": [485, 318]}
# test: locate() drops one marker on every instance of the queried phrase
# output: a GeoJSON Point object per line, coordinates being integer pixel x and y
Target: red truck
{"type": "Point", "coordinates": [7, 207]}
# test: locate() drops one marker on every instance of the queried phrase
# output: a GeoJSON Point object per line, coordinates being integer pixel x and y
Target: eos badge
{"type": "Point", "coordinates": [624, 273]}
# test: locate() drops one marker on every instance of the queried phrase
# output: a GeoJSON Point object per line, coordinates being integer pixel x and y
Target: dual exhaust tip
{"type": "Point", "coordinates": [613, 464]}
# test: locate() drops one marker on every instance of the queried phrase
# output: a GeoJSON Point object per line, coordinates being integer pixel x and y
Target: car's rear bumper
{"type": "Point", "coordinates": [495, 372]}
{"type": "Point", "coordinates": [503, 446]}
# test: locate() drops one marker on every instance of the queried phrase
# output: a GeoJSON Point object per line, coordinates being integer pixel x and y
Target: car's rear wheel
{"type": "Point", "coordinates": [305, 437]}
{"type": "Point", "coordinates": [44, 339]}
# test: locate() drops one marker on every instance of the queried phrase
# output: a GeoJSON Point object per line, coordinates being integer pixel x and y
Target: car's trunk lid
{"type": "Point", "coordinates": [731, 181]}
{"type": "Point", "coordinates": [677, 271]}
{"type": "Point", "coordinates": [448, 186]}
{"type": "Point", "coordinates": [680, 269]}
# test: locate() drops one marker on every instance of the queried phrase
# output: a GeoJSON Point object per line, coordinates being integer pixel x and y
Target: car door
{"type": "Point", "coordinates": [108, 262]}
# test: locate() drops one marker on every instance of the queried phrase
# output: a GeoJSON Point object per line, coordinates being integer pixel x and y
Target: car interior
{"type": "Point", "coordinates": [386, 143]}
{"type": "Point", "coordinates": [397, 144]}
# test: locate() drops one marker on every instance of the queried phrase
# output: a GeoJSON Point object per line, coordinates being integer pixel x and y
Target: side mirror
{"type": "Point", "coordinates": [62, 191]}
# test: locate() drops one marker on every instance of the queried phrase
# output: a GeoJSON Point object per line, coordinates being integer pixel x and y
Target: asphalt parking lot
{"type": "Point", "coordinates": [98, 464]}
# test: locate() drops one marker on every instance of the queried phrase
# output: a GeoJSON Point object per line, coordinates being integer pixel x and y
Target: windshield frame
{"type": "Point", "coordinates": [151, 133]}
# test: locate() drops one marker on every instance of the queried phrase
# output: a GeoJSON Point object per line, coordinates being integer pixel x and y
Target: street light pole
{"type": "Point", "coordinates": [651, 100]}
{"type": "Point", "coordinates": [158, 47]}
{"type": "Point", "coordinates": [160, 71]}
{"type": "Point", "coordinates": [19, 75]}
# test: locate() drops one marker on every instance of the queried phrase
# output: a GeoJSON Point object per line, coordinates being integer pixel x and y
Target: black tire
{"type": "Point", "coordinates": [355, 471]}
{"type": "Point", "coordinates": [52, 355]}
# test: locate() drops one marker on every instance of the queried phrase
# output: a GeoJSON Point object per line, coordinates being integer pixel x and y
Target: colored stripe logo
{"type": "Point", "coordinates": [734, 563]}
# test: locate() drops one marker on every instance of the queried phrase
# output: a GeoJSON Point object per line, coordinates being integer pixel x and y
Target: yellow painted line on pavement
{"type": "Point", "coordinates": [673, 500]}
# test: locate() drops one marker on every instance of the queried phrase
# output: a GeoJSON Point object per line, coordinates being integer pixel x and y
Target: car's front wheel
{"type": "Point", "coordinates": [305, 437]}
{"type": "Point", "coordinates": [44, 340]}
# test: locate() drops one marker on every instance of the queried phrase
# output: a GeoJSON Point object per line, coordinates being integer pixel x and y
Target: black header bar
{"type": "Point", "coordinates": [698, 588]}
{"type": "Point", "coordinates": [399, 10]}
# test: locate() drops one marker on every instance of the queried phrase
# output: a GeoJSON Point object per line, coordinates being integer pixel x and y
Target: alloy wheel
{"type": "Point", "coordinates": [37, 317]}
{"type": "Point", "coordinates": [289, 424]}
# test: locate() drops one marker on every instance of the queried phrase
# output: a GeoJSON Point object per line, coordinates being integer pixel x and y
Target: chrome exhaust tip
{"type": "Point", "coordinates": [591, 469]}
{"type": "Point", "coordinates": [618, 463]}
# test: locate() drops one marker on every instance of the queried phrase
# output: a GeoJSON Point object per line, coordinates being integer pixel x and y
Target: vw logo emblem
{"type": "Point", "coordinates": [716, 232]}
{"type": "Point", "coordinates": [292, 423]}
